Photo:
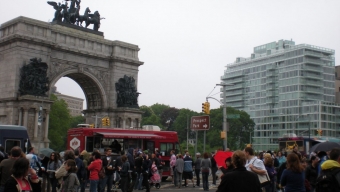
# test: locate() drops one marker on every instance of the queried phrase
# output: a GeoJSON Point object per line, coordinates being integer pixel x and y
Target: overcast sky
{"type": "Point", "coordinates": [185, 45]}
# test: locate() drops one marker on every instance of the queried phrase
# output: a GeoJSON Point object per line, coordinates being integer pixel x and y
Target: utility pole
{"type": "Point", "coordinates": [187, 132]}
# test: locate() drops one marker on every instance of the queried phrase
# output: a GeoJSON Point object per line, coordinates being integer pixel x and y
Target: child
{"type": "Point", "coordinates": [70, 181]}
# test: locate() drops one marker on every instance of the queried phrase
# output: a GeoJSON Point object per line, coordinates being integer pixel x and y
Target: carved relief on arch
{"type": "Point", "coordinates": [58, 67]}
{"type": "Point", "coordinates": [101, 75]}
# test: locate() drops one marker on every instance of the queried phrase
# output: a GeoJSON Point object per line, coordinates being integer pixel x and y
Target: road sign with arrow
{"type": "Point", "coordinates": [200, 122]}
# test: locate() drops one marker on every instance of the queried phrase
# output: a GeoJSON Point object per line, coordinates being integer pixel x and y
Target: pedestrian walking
{"type": "Point", "coordinates": [124, 174]}
{"type": "Point", "coordinates": [205, 168]}
{"type": "Point", "coordinates": [70, 181]}
{"type": "Point", "coordinates": [187, 170]}
{"type": "Point", "coordinates": [213, 168]}
{"type": "Point", "coordinates": [94, 169]}
{"type": "Point", "coordinates": [53, 165]}
{"type": "Point", "coordinates": [197, 166]}
{"type": "Point", "coordinates": [179, 169]}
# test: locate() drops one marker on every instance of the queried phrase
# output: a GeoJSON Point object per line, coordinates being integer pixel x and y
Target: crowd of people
{"type": "Point", "coordinates": [74, 171]}
{"type": "Point", "coordinates": [139, 170]}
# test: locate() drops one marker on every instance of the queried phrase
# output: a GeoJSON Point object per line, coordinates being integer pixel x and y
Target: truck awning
{"type": "Point", "coordinates": [129, 135]}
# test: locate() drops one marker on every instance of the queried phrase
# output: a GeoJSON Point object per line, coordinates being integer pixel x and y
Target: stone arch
{"type": "Point", "coordinates": [93, 90]}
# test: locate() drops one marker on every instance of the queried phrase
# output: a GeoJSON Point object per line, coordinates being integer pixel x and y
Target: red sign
{"type": "Point", "coordinates": [200, 122]}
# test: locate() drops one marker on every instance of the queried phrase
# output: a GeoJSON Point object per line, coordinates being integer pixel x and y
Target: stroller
{"type": "Point", "coordinates": [155, 179]}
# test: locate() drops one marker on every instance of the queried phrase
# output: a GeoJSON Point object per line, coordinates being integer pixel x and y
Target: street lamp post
{"type": "Point", "coordinates": [225, 114]}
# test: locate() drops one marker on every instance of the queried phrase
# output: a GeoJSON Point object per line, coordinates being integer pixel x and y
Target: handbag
{"type": "Point", "coordinates": [264, 179]}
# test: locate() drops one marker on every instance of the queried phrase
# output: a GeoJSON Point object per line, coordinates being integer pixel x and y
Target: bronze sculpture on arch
{"type": "Point", "coordinates": [71, 15]}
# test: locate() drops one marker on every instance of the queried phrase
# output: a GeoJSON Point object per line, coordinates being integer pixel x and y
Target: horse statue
{"type": "Point", "coordinates": [84, 17]}
{"type": "Point", "coordinates": [73, 8]}
{"type": "Point", "coordinates": [95, 20]}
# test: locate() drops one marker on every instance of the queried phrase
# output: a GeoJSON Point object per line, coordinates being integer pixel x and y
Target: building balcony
{"type": "Point", "coordinates": [312, 83]}
{"type": "Point", "coordinates": [314, 54]}
{"type": "Point", "coordinates": [311, 97]}
{"type": "Point", "coordinates": [313, 61]}
{"type": "Point", "coordinates": [234, 99]}
{"type": "Point", "coordinates": [232, 75]}
{"type": "Point", "coordinates": [240, 86]}
{"type": "Point", "coordinates": [237, 92]}
{"type": "Point", "coordinates": [270, 67]}
{"type": "Point", "coordinates": [312, 76]}
{"type": "Point", "coordinates": [312, 68]}
{"type": "Point", "coordinates": [313, 90]}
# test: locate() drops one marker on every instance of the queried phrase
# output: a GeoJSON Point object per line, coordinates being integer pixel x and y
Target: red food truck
{"type": "Point", "coordinates": [91, 139]}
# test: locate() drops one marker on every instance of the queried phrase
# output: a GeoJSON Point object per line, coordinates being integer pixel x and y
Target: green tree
{"type": "Point", "coordinates": [59, 123]}
{"type": "Point", "coordinates": [74, 121]}
{"type": "Point", "coordinates": [158, 108]}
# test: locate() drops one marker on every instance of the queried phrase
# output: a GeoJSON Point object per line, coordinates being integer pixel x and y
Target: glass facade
{"type": "Point", "coordinates": [286, 88]}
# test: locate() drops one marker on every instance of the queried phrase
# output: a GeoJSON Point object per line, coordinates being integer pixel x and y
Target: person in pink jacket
{"type": "Point", "coordinates": [172, 165]}
{"type": "Point", "coordinates": [94, 169]}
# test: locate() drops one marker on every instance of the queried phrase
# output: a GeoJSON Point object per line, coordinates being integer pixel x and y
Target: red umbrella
{"type": "Point", "coordinates": [221, 156]}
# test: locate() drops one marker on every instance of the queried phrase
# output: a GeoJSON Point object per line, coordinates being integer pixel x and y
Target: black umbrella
{"type": "Point", "coordinates": [46, 151]}
{"type": "Point", "coordinates": [325, 146]}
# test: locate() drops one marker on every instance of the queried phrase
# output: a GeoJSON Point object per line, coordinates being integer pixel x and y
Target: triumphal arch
{"type": "Point", "coordinates": [34, 55]}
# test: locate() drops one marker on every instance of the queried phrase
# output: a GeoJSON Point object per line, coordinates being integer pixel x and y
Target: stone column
{"type": "Point", "coordinates": [25, 124]}
{"type": "Point", "coordinates": [35, 136]}
{"type": "Point", "coordinates": [124, 121]}
{"type": "Point", "coordinates": [20, 116]}
{"type": "Point", "coordinates": [138, 122]}
{"type": "Point", "coordinates": [46, 126]}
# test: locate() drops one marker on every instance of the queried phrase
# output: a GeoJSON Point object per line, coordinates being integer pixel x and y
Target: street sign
{"type": "Point", "coordinates": [233, 116]}
{"type": "Point", "coordinates": [200, 122]}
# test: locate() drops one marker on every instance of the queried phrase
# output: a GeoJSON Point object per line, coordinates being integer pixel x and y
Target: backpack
{"type": "Point", "coordinates": [327, 181]}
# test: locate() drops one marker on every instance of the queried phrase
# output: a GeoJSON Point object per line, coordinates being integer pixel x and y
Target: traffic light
{"type": "Point", "coordinates": [320, 132]}
{"type": "Point", "coordinates": [207, 108]}
{"type": "Point", "coordinates": [203, 108]}
{"type": "Point", "coordinates": [223, 135]}
{"type": "Point", "coordinates": [91, 125]}
{"type": "Point", "coordinates": [107, 121]}
{"type": "Point", "coordinates": [104, 121]}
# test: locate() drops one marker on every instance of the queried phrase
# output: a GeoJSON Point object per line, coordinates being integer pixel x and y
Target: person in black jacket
{"type": "Point", "coordinates": [109, 166]}
{"type": "Point", "coordinates": [147, 163]}
{"type": "Point", "coordinates": [213, 168]}
{"type": "Point", "coordinates": [229, 168]}
{"type": "Point", "coordinates": [239, 179]}
{"type": "Point", "coordinates": [130, 155]}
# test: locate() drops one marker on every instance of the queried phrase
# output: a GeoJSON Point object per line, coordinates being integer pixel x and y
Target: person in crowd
{"type": "Point", "coordinates": [281, 158]}
{"type": "Point", "coordinates": [214, 168]}
{"type": "Point", "coordinates": [179, 169]}
{"type": "Point", "coordinates": [23, 178]}
{"type": "Point", "coordinates": [205, 166]}
{"type": "Point", "coordinates": [109, 166]}
{"type": "Point", "coordinates": [197, 166]}
{"type": "Point", "coordinates": [332, 167]}
{"type": "Point", "coordinates": [94, 169]}
{"type": "Point", "coordinates": [85, 157]}
{"type": "Point", "coordinates": [7, 164]}
{"type": "Point", "coordinates": [312, 172]}
{"type": "Point", "coordinates": [253, 163]}
{"type": "Point", "coordinates": [187, 170]}
{"type": "Point", "coordinates": [230, 166]}
{"type": "Point", "coordinates": [323, 157]}
{"type": "Point", "coordinates": [119, 164]}
{"type": "Point", "coordinates": [80, 170]}
{"type": "Point", "coordinates": [172, 165]}
{"type": "Point", "coordinates": [260, 156]}
{"type": "Point", "coordinates": [239, 179]}
{"type": "Point", "coordinates": [297, 152]}
{"type": "Point", "coordinates": [269, 164]}
{"type": "Point", "coordinates": [70, 181]}
{"type": "Point", "coordinates": [304, 165]}
{"type": "Point", "coordinates": [124, 174]}
{"type": "Point", "coordinates": [293, 178]}
{"type": "Point", "coordinates": [3, 155]}
{"type": "Point", "coordinates": [33, 159]}
{"type": "Point", "coordinates": [139, 170]}
{"type": "Point", "coordinates": [146, 166]}
{"type": "Point", "coordinates": [61, 172]}
{"type": "Point", "coordinates": [160, 166]}
{"type": "Point", "coordinates": [44, 174]}
{"type": "Point", "coordinates": [53, 165]}
{"type": "Point", "coordinates": [130, 155]}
